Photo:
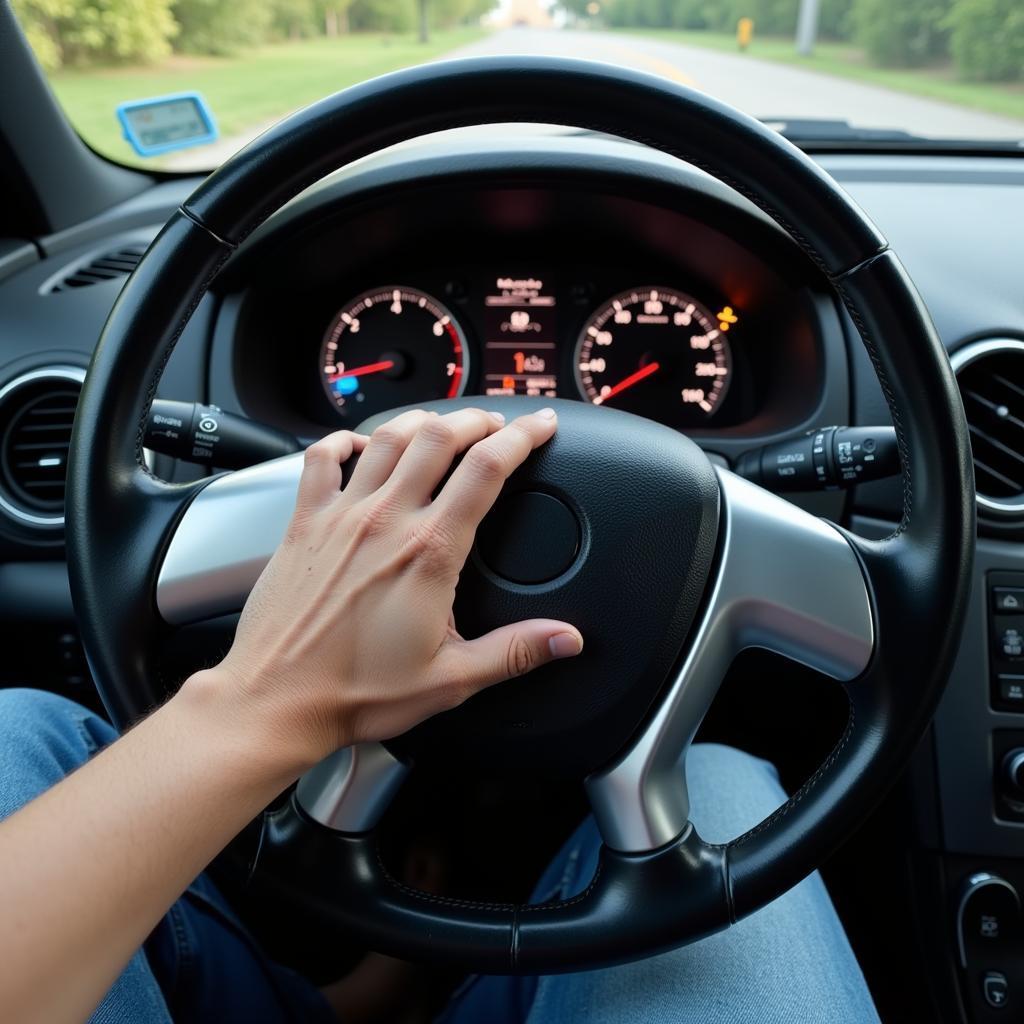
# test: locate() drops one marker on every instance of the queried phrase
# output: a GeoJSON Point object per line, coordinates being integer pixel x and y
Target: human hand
{"type": "Point", "coordinates": [349, 633]}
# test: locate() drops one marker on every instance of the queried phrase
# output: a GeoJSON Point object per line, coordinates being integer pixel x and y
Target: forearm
{"type": "Point", "coordinates": [89, 868]}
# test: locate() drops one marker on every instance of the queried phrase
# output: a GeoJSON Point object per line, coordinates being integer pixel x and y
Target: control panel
{"type": "Point", "coordinates": [1006, 640]}
{"type": "Point", "coordinates": [989, 946]}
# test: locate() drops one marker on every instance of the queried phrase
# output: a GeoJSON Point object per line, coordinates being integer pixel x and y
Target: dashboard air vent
{"type": "Point", "coordinates": [991, 378]}
{"type": "Point", "coordinates": [106, 267]}
{"type": "Point", "coordinates": [37, 411]}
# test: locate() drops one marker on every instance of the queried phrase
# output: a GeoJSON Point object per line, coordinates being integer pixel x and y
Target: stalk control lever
{"type": "Point", "coordinates": [209, 436]}
{"type": "Point", "coordinates": [827, 459]}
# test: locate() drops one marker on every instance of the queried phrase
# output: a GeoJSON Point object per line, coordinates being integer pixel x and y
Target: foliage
{"type": "Point", "coordinates": [75, 32]}
{"type": "Point", "coordinates": [296, 19]}
{"type": "Point", "coordinates": [219, 28]}
{"type": "Point", "coordinates": [111, 31]}
{"type": "Point", "coordinates": [382, 15]}
{"type": "Point", "coordinates": [987, 39]}
{"type": "Point", "coordinates": [771, 17]}
{"type": "Point", "coordinates": [834, 19]}
{"type": "Point", "coordinates": [903, 34]}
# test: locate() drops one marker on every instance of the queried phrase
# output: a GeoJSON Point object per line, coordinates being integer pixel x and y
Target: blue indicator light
{"type": "Point", "coordinates": [346, 385]}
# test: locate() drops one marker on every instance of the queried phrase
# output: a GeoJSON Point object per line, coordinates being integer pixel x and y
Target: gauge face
{"type": "Point", "coordinates": [656, 352]}
{"type": "Point", "coordinates": [389, 347]}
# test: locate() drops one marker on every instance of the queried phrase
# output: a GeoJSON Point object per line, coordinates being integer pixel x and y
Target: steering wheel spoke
{"type": "Point", "coordinates": [787, 582]}
{"type": "Point", "coordinates": [224, 539]}
{"type": "Point", "coordinates": [351, 789]}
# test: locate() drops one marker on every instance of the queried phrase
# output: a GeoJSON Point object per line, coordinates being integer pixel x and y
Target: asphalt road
{"type": "Point", "coordinates": [766, 90]}
{"type": "Point", "coordinates": [761, 88]}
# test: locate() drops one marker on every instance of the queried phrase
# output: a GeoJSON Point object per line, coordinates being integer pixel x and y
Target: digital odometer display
{"type": "Point", "coordinates": [520, 340]}
{"type": "Point", "coordinates": [657, 352]}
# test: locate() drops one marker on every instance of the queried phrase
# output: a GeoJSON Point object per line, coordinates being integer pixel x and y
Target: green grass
{"type": "Point", "coordinates": [245, 90]}
{"type": "Point", "coordinates": [846, 61]}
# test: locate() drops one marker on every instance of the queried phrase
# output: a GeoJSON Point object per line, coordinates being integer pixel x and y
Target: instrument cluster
{"type": "Point", "coordinates": [673, 351]}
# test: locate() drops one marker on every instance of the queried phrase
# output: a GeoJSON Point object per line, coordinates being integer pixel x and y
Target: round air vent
{"type": "Point", "coordinates": [991, 378]}
{"type": "Point", "coordinates": [37, 411]}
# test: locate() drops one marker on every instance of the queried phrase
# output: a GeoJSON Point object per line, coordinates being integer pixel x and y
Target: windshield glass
{"type": "Point", "coordinates": [220, 72]}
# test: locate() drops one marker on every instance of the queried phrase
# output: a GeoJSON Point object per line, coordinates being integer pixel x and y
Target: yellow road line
{"type": "Point", "coordinates": [658, 65]}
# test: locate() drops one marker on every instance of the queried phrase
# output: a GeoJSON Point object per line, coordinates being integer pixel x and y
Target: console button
{"type": "Point", "coordinates": [987, 917]}
{"type": "Point", "coordinates": [995, 989]}
{"type": "Point", "coordinates": [1011, 689]}
{"type": "Point", "coordinates": [1010, 642]}
{"type": "Point", "coordinates": [1008, 599]}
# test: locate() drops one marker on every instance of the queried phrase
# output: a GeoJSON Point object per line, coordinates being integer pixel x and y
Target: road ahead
{"type": "Point", "coordinates": [761, 88]}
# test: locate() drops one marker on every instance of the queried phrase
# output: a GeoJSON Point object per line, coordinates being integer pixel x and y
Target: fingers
{"type": "Point", "coordinates": [435, 445]}
{"type": "Point", "coordinates": [512, 651]}
{"type": "Point", "coordinates": [476, 484]}
{"type": "Point", "coordinates": [385, 447]}
{"type": "Point", "coordinates": [321, 471]}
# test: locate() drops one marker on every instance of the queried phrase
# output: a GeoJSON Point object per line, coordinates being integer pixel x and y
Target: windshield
{"type": "Point", "coordinates": [182, 84]}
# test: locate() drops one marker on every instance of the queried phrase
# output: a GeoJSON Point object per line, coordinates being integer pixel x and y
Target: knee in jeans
{"type": "Point", "coordinates": [43, 737]}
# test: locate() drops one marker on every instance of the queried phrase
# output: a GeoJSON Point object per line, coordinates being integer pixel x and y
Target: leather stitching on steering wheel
{"type": "Point", "coordinates": [780, 812]}
{"type": "Point", "coordinates": [894, 411]}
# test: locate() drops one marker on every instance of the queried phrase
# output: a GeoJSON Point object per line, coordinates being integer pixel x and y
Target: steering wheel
{"type": "Point", "coordinates": [667, 565]}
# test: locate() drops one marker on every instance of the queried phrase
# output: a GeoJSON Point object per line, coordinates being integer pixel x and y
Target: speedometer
{"type": "Point", "coordinates": [657, 352]}
{"type": "Point", "coordinates": [391, 346]}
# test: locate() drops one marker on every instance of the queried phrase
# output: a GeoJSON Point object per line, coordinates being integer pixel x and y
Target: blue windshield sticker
{"type": "Point", "coordinates": [162, 124]}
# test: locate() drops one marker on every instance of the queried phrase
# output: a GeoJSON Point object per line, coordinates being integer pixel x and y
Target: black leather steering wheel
{"type": "Point", "coordinates": [676, 566]}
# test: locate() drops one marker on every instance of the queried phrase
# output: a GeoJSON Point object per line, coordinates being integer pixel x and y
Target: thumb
{"type": "Point", "coordinates": [516, 649]}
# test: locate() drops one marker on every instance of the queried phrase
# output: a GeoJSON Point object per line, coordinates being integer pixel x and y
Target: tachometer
{"type": "Point", "coordinates": [657, 352]}
{"type": "Point", "coordinates": [391, 346]}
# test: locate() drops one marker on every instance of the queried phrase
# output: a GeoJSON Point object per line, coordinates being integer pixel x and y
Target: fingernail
{"type": "Point", "coordinates": [565, 645]}
{"type": "Point", "coordinates": [546, 414]}
{"type": "Point", "coordinates": [499, 417]}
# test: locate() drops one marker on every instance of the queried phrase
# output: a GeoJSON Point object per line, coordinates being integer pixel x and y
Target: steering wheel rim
{"type": "Point", "coordinates": [126, 523]}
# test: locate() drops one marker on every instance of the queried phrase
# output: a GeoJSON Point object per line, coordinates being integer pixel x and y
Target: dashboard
{"type": "Point", "coordinates": [492, 290]}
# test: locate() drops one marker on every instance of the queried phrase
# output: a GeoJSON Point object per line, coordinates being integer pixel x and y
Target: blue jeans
{"type": "Point", "coordinates": [789, 962]}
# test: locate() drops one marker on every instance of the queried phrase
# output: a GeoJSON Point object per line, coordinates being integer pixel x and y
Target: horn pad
{"type": "Point", "coordinates": [611, 526]}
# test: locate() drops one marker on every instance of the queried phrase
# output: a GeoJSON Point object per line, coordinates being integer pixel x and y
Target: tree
{"type": "Point", "coordinates": [903, 34]}
{"type": "Point", "coordinates": [295, 19]}
{"type": "Point", "coordinates": [333, 15]}
{"type": "Point", "coordinates": [987, 39]}
{"type": "Point", "coordinates": [111, 31]}
{"type": "Point", "coordinates": [834, 19]}
{"type": "Point", "coordinates": [220, 28]}
{"type": "Point", "coordinates": [382, 15]}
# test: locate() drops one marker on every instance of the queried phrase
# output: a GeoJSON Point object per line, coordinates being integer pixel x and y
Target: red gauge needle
{"type": "Point", "coordinates": [628, 382]}
{"type": "Point", "coordinates": [362, 371]}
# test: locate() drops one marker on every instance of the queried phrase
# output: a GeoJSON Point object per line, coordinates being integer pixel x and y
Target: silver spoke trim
{"type": "Point", "coordinates": [788, 582]}
{"type": "Point", "coordinates": [224, 540]}
{"type": "Point", "coordinates": [351, 789]}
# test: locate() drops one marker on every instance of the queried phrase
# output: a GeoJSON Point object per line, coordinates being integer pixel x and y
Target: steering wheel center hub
{"type": "Point", "coordinates": [529, 537]}
{"type": "Point", "coordinates": [613, 526]}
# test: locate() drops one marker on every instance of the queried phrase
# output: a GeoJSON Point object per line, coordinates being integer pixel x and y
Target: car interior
{"type": "Point", "coordinates": [530, 232]}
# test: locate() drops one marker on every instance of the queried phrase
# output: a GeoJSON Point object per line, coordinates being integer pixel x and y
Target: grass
{"type": "Point", "coordinates": [846, 61]}
{"type": "Point", "coordinates": [245, 90]}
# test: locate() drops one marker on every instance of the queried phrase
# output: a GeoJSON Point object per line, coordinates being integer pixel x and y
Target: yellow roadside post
{"type": "Point", "coordinates": [744, 32]}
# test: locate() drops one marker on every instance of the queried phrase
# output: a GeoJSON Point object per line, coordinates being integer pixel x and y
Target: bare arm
{"type": "Point", "coordinates": [89, 868]}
